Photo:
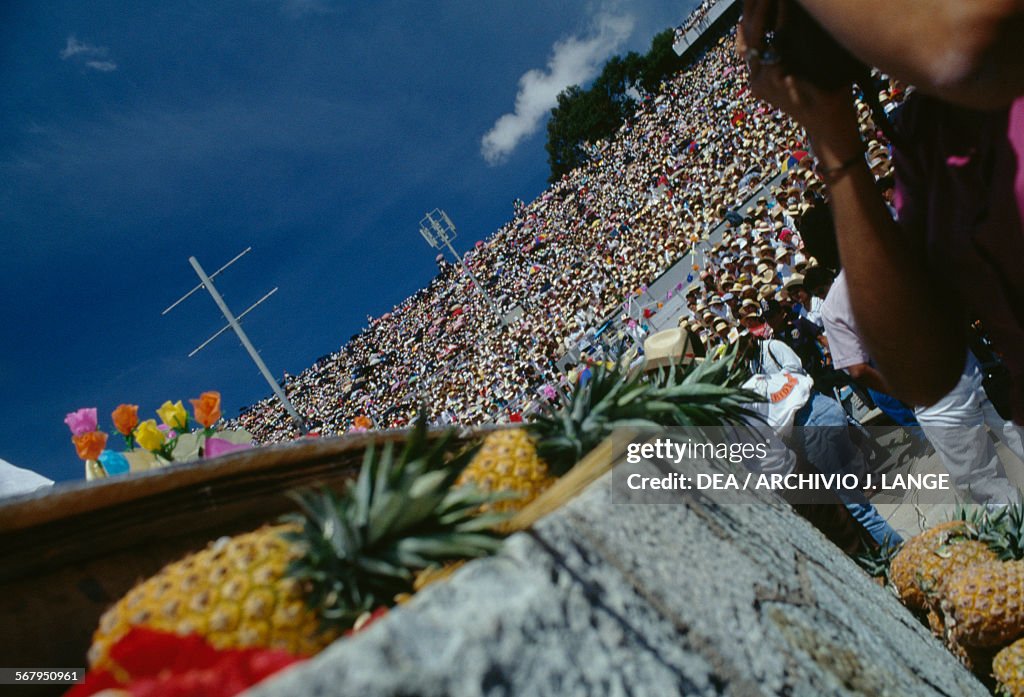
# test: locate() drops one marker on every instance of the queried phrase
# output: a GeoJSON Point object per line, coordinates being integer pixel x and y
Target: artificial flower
{"type": "Point", "coordinates": [150, 662]}
{"type": "Point", "coordinates": [149, 435]}
{"type": "Point", "coordinates": [126, 418]}
{"type": "Point", "coordinates": [114, 462]}
{"type": "Point", "coordinates": [90, 445]}
{"type": "Point", "coordinates": [174, 416]}
{"type": "Point", "coordinates": [82, 421]}
{"type": "Point", "coordinates": [207, 408]}
{"type": "Point", "coordinates": [220, 446]}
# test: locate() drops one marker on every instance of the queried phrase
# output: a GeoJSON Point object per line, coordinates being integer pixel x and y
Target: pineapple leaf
{"type": "Point", "coordinates": [362, 547]}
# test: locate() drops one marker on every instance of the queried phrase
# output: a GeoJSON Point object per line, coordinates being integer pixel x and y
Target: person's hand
{"type": "Point", "coordinates": [828, 117]}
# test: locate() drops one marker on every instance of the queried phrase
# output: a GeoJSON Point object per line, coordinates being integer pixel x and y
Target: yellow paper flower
{"type": "Point", "coordinates": [148, 435]}
{"type": "Point", "coordinates": [174, 416]}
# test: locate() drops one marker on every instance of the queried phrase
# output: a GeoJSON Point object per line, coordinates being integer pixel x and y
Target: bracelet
{"type": "Point", "coordinates": [831, 174]}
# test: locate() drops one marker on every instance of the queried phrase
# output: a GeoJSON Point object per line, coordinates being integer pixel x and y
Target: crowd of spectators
{"type": "Point", "coordinates": [771, 270]}
{"type": "Point", "coordinates": [688, 160]}
{"type": "Point", "coordinates": [695, 18]}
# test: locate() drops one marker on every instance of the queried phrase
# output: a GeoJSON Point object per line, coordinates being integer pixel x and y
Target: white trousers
{"type": "Point", "coordinates": [956, 428]}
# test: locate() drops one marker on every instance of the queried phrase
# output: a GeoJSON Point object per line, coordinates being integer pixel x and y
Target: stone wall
{"type": "Point", "coordinates": [602, 598]}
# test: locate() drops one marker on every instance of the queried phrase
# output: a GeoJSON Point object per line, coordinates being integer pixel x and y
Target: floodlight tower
{"type": "Point", "coordinates": [206, 281]}
{"type": "Point", "coordinates": [437, 229]}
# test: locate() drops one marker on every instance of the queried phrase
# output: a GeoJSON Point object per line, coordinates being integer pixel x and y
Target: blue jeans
{"type": "Point", "coordinates": [822, 438]}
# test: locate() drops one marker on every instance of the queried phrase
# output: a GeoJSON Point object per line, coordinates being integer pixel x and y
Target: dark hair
{"type": "Point", "coordinates": [816, 277]}
{"type": "Point", "coordinates": [771, 307]}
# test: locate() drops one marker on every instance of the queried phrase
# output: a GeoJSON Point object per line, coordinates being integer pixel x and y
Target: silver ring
{"type": "Point", "coordinates": [751, 54]}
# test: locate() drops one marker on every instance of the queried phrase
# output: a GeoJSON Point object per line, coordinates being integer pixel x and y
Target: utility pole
{"type": "Point", "coordinates": [206, 281]}
{"type": "Point", "coordinates": [437, 229]}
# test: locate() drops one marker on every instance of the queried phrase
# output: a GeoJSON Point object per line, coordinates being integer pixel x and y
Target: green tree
{"type": "Point", "coordinates": [588, 115]}
{"type": "Point", "coordinates": [660, 62]}
{"type": "Point", "coordinates": [581, 116]}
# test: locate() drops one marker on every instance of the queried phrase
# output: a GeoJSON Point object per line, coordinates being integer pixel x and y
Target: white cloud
{"type": "Point", "coordinates": [102, 66]}
{"type": "Point", "coordinates": [94, 57]}
{"type": "Point", "coordinates": [573, 61]}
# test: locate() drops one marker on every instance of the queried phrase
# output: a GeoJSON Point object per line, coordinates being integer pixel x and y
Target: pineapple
{"type": "Point", "coordinates": [508, 462]}
{"type": "Point", "coordinates": [923, 563]}
{"type": "Point", "coordinates": [516, 465]}
{"type": "Point", "coordinates": [984, 604]}
{"type": "Point", "coordinates": [235, 593]}
{"type": "Point", "coordinates": [519, 464]}
{"type": "Point", "coordinates": [299, 584]}
{"type": "Point", "coordinates": [1008, 669]}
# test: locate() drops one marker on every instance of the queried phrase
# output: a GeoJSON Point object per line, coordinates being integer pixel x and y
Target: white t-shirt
{"type": "Point", "coordinates": [814, 311]}
{"type": "Point", "coordinates": [777, 357]}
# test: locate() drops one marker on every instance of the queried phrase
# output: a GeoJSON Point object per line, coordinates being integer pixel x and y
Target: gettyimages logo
{"type": "Point", "coordinates": [676, 452]}
{"type": "Point", "coordinates": [750, 465]}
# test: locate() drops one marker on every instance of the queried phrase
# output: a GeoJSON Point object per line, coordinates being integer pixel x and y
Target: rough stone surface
{"type": "Point", "coordinates": [603, 598]}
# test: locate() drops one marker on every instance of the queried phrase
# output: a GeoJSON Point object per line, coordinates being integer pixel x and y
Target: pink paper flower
{"type": "Point", "coordinates": [220, 446]}
{"type": "Point", "coordinates": [82, 421]}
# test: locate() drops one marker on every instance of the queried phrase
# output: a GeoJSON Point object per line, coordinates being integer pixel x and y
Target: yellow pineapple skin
{"type": "Point", "coordinates": [920, 568]}
{"type": "Point", "coordinates": [508, 462]}
{"type": "Point", "coordinates": [235, 593]}
{"type": "Point", "coordinates": [983, 604]}
{"type": "Point", "coordinates": [1008, 669]}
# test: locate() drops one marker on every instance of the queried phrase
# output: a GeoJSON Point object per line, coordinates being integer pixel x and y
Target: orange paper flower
{"type": "Point", "coordinates": [207, 408]}
{"type": "Point", "coordinates": [90, 445]}
{"type": "Point", "coordinates": [126, 418]}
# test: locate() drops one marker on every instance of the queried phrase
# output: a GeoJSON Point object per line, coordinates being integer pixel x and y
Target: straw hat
{"type": "Point", "coordinates": [667, 348]}
{"type": "Point", "coordinates": [794, 280]}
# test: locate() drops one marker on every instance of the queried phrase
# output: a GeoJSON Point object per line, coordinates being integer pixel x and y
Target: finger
{"type": "Point", "coordinates": [791, 86]}
{"type": "Point", "coordinates": [781, 14]}
{"type": "Point", "coordinates": [758, 16]}
{"type": "Point", "coordinates": [741, 45]}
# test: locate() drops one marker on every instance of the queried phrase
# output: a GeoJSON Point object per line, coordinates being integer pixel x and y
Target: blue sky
{"type": "Point", "coordinates": [134, 135]}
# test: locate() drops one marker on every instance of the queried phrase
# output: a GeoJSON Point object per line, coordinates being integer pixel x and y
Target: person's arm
{"type": "Point", "coordinates": [963, 51]}
{"type": "Point", "coordinates": [866, 376]}
{"type": "Point", "coordinates": [909, 331]}
{"type": "Point", "coordinates": [915, 344]}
